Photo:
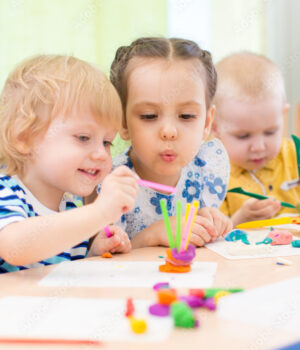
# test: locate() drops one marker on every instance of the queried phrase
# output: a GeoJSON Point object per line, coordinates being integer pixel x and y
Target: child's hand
{"type": "Point", "coordinates": [209, 224]}
{"type": "Point", "coordinates": [117, 243]}
{"type": "Point", "coordinates": [118, 193]}
{"type": "Point", "coordinates": [255, 209]}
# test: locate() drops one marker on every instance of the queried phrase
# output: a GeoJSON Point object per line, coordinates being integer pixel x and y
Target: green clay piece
{"type": "Point", "coordinates": [161, 256]}
{"type": "Point", "coordinates": [298, 208]}
{"type": "Point", "coordinates": [235, 290]}
{"type": "Point", "coordinates": [183, 315]}
{"type": "Point", "coordinates": [296, 243]}
{"type": "Point", "coordinates": [211, 292]}
{"type": "Point", "coordinates": [267, 240]}
{"type": "Point", "coordinates": [271, 228]}
{"type": "Point", "coordinates": [257, 196]}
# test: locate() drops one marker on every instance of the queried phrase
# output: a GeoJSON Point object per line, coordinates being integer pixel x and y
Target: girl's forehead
{"type": "Point", "coordinates": [161, 77]}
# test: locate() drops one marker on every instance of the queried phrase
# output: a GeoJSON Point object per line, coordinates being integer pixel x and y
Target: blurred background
{"type": "Point", "coordinates": [94, 29]}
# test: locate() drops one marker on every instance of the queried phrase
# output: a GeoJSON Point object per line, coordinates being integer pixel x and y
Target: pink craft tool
{"type": "Point", "coordinates": [107, 232]}
{"type": "Point", "coordinates": [156, 186]}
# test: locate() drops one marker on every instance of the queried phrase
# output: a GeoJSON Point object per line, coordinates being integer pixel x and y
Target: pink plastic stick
{"type": "Point", "coordinates": [107, 231]}
{"type": "Point", "coordinates": [157, 186]}
{"type": "Point", "coordinates": [186, 229]}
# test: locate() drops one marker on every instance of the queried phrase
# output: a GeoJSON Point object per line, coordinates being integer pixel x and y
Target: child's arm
{"type": "Point", "coordinates": [37, 238]}
{"type": "Point", "coordinates": [255, 209]}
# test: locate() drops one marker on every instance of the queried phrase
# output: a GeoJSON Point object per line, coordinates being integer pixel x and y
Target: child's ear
{"type": "Point", "coordinates": [22, 144]}
{"type": "Point", "coordinates": [209, 121]}
{"type": "Point", "coordinates": [124, 133]}
{"type": "Point", "coordinates": [286, 109]}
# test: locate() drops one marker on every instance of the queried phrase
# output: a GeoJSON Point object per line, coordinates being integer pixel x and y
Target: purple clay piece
{"type": "Point", "coordinates": [186, 256]}
{"type": "Point", "coordinates": [210, 304]}
{"type": "Point", "coordinates": [192, 301]}
{"type": "Point", "coordinates": [159, 310]}
{"type": "Point", "coordinates": [197, 324]}
{"type": "Point", "coordinates": [161, 285]}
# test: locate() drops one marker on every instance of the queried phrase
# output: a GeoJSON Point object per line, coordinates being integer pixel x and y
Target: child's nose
{"type": "Point", "coordinates": [258, 144]}
{"type": "Point", "coordinates": [99, 153]}
{"type": "Point", "coordinates": [168, 132]}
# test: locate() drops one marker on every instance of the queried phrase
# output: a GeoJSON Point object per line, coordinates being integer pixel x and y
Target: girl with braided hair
{"type": "Point", "coordinates": [166, 87]}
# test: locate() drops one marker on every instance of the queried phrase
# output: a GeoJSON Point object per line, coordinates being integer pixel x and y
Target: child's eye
{"type": "Point", "coordinates": [187, 116]}
{"type": "Point", "coordinates": [243, 137]}
{"type": "Point", "coordinates": [148, 116]}
{"type": "Point", "coordinates": [271, 132]}
{"type": "Point", "coordinates": [83, 138]}
{"type": "Point", "coordinates": [107, 143]}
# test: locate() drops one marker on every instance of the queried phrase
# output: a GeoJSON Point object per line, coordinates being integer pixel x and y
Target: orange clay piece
{"type": "Point", "coordinates": [169, 254]}
{"type": "Point", "coordinates": [167, 267]}
{"type": "Point", "coordinates": [166, 296]}
{"type": "Point", "coordinates": [138, 325]}
{"type": "Point", "coordinates": [106, 255]}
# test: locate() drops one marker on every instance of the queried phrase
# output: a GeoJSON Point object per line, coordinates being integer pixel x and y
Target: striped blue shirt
{"type": "Point", "coordinates": [18, 203]}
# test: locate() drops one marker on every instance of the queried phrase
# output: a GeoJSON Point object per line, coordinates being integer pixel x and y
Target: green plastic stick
{"type": "Point", "coordinates": [257, 196]}
{"type": "Point", "coordinates": [164, 211]}
{"type": "Point", "coordinates": [297, 146]}
{"type": "Point", "coordinates": [178, 224]}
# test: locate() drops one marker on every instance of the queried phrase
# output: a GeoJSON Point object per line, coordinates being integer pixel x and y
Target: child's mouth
{"type": "Point", "coordinates": [91, 173]}
{"type": "Point", "coordinates": [168, 156]}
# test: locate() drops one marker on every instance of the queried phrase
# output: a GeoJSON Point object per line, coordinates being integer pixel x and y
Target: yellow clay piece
{"type": "Point", "coordinates": [219, 295]}
{"type": "Point", "coordinates": [138, 325]}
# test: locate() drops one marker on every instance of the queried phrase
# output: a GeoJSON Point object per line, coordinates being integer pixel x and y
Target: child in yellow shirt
{"type": "Point", "coordinates": [250, 109]}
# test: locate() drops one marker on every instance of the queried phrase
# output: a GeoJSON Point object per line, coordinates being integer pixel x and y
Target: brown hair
{"type": "Point", "coordinates": [40, 88]}
{"type": "Point", "coordinates": [169, 49]}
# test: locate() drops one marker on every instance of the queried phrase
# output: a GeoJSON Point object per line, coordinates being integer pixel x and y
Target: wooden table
{"type": "Point", "coordinates": [213, 333]}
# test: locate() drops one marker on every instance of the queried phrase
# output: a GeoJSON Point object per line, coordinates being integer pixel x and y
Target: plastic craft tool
{"type": "Point", "coordinates": [49, 341]}
{"type": "Point", "coordinates": [287, 185]}
{"type": "Point", "coordinates": [270, 222]}
{"type": "Point", "coordinates": [157, 186]}
{"type": "Point", "coordinates": [257, 196]}
{"type": "Point", "coordinates": [107, 231]}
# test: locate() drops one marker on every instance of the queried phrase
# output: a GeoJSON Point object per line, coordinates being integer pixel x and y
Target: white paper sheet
{"type": "Point", "coordinates": [275, 305]}
{"type": "Point", "coordinates": [222, 247]}
{"type": "Point", "coordinates": [127, 274]}
{"type": "Point", "coordinates": [76, 318]}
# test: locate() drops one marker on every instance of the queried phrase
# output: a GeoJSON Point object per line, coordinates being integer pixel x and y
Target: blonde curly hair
{"type": "Point", "coordinates": [39, 89]}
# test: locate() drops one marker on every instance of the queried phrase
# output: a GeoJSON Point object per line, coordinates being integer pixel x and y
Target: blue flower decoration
{"type": "Point", "coordinates": [210, 144]}
{"type": "Point", "coordinates": [191, 191]}
{"type": "Point", "coordinates": [199, 162]}
{"type": "Point", "coordinates": [137, 210]}
{"type": "Point", "coordinates": [219, 151]}
{"type": "Point", "coordinates": [190, 174]}
{"type": "Point", "coordinates": [155, 201]}
{"type": "Point", "coordinates": [217, 187]}
{"type": "Point", "coordinates": [123, 219]}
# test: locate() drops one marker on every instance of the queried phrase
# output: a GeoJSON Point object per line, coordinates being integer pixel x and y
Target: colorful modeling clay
{"type": "Point", "coordinates": [106, 255]}
{"type": "Point", "coordinates": [178, 262]}
{"type": "Point", "coordinates": [138, 325]}
{"type": "Point", "coordinates": [183, 315]}
{"type": "Point", "coordinates": [280, 237]}
{"type": "Point", "coordinates": [296, 243]}
{"type": "Point", "coordinates": [129, 308]}
{"type": "Point", "coordinates": [159, 310]}
{"type": "Point", "coordinates": [236, 235]}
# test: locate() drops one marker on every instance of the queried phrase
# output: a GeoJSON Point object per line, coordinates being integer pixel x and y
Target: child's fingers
{"type": "Point", "coordinates": [207, 224]}
{"type": "Point", "coordinates": [200, 231]}
{"type": "Point", "coordinates": [197, 240]}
